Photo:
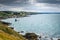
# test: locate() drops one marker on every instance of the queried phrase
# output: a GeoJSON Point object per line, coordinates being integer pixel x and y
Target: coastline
{"type": "Point", "coordinates": [16, 17]}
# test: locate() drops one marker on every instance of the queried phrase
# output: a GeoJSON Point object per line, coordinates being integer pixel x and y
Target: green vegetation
{"type": "Point", "coordinates": [7, 33]}
{"type": "Point", "coordinates": [10, 14]}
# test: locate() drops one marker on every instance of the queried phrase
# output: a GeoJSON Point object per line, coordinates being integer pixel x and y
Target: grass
{"type": "Point", "coordinates": [7, 33]}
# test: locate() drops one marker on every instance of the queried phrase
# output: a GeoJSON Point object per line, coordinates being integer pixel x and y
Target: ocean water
{"type": "Point", "coordinates": [46, 24]}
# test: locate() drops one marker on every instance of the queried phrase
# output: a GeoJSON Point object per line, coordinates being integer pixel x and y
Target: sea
{"type": "Point", "coordinates": [44, 24]}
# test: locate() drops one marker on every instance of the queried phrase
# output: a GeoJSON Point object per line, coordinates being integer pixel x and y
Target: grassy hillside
{"type": "Point", "coordinates": [9, 14]}
{"type": "Point", "coordinates": [9, 34]}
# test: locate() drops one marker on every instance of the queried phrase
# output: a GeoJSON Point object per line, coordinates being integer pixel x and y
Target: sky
{"type": "Point", "coordinates": [30, 5]}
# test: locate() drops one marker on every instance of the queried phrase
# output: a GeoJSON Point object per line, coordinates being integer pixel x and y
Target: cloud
{"type": "Point", "coordinates": [16, 9]}
{"type": "Point", "coordinates": [32, 1]}
{"type": "Point", "coordinates": [30, 5]}
{"type": "Point", "coordinates": [6, 1]}
{"type": "Point", "coordinates": [14, 2]}
{"type": "Point", "coordinates": [37, 7]}
{"type": "Point", "coordinates": [27, 2]}
{"type": "Point", "coordinates": [49, 1]}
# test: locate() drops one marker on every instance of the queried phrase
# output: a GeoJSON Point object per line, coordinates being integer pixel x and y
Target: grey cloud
{"type": "Point", "coordinates": [25, 2]}
{"type": "Point", "coordinates": [8, 4]}
{"type": "Point", "coordinates": [6, 1]}
{"type": "Point", "coordinates": [13, 2]}
{"type": "Point", "coordinates": [49, 1]}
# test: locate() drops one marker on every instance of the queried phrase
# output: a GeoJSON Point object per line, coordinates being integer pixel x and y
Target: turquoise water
{"type": "Point", "coordinates": [41, 23]}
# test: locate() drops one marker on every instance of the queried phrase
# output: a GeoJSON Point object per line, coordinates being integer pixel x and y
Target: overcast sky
{"type": "Point", "coordinates": [30, 5]}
